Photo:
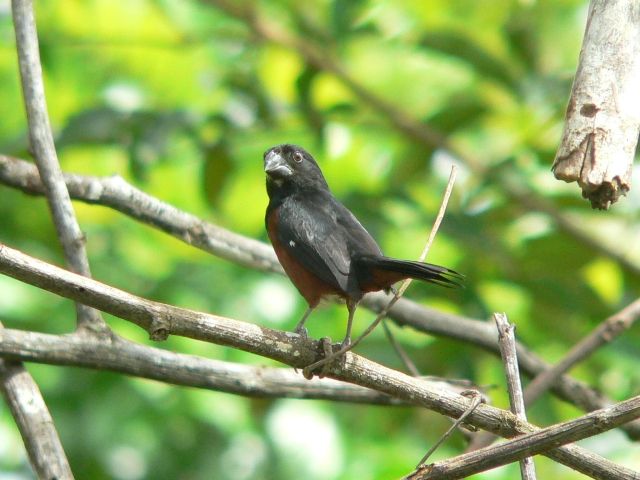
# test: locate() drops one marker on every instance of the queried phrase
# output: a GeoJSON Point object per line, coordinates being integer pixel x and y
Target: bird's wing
{"type": "Point", "coordinates": [309, 230]}
{"type": "Point", "coordinates": [360, 241]}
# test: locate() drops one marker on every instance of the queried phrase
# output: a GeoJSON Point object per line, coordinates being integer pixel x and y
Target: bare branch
{"type": "Point", "coordinates": [114, 192]}
{"type": "Point", "coordinates": [603, 117]}
{"type": "Point", "coordinates": [34, 421]}
{"type": "Point", "coordinates": [122, 356]}
{"type": "Point", "coordinates": [507, 341]}
{"type": "Point", "coordinates": [608, 330]}
{"type": "Point", "coordinates": [160, 320]}
{"type": "Point", "coordinates": [41, 142]}
{"type": "Point", "coordinates": [482, 334]}
{"type": "Point", "coordinates": [477, 399]}
{"type": "Point", "coordinates": [537, 442]}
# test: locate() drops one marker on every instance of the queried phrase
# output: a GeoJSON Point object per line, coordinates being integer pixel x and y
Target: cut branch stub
{"type": "Point", "coordinates": [603, 116]}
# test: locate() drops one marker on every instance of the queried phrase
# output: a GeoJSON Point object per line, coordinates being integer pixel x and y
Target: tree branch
{"type": "Point", "coordinates": [507, 341]}
{"type": "Point", "coordinates": [34, 421]}
{"type": "Point", "coordinates": [482, 334]}
{"type": "Point", "coordinates": [160, 320]}
{"type": "Point", "coordinates": [603, 120]}
{"type": "Point", "coordinates": [535, 443]}
{"type": "Point", "coordinates": [43, 149]}
{"type": "Point", "coordinates": [114, 192]}
{"type": "Point", "coordinates": [122, 356]}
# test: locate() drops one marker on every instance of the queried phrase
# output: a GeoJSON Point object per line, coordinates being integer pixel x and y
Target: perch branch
{"type": "Point", "coordinates": [161, 320]}
{"type": "Point", "coordinates": [122, 356]}
{"type": "Point", "coordinates": [43, 149]}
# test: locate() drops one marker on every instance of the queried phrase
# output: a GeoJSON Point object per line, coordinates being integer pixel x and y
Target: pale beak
{"type": "Point", "coordinates": [276, 166]}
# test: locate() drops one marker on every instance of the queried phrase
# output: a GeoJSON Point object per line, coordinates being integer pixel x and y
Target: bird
{"type": "Point", "coordinates": [322, 247]}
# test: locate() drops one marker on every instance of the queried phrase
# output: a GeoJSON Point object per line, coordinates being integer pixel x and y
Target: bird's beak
{"type": "Point", "coordinates": [276, 166]}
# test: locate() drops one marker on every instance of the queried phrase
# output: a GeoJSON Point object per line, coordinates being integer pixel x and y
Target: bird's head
{"type": "Point", "coordinates": [292, 166]}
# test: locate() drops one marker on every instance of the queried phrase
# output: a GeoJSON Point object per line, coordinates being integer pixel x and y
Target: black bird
{"type": "Point", "coordinates": [321, 245]}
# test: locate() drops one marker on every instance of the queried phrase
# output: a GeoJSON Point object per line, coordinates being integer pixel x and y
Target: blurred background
{"type": "Point", "coordinates": [181, 98]}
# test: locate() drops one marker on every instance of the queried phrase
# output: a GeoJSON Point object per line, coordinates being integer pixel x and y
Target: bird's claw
{"type": "Point", "coordinates": [309, 371]}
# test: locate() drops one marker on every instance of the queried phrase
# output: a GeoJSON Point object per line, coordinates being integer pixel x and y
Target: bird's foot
{"type": "Point", "coordinates": [304, 336]}
{"type": "Point", "coordinates": [321, 367]}
{"type": "Point", "coordinates": [302, 331]}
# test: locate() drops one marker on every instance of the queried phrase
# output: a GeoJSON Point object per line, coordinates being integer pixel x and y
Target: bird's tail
{"type": "Point", "coordinates": [382, 272]}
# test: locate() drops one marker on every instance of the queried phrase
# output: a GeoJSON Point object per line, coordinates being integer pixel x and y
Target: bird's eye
{"type": "Point", "coordinates": [297, 157]}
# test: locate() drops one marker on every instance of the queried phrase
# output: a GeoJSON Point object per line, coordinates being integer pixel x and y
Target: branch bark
{"type": "Point", "coordinates": [115, 193]}
{"type": "Point", "coordinates": [122, 356]}
{"type": "Point", "coordinates": [43, 149]}
{"type": "Point", "coordinates": [603, 117]}
{"type": "Point", "coordinates": [534, 443]}
{"type": "Point", "coordinates": [507, 341]}
{"type": "Point", "coordinates": [34, 421]}
{"type": "Point", "coordinates": [160, 320]}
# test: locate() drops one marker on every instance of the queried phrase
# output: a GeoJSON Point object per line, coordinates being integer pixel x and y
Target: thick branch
{"type": "Point", "coordinates": [160, 320]}
{"type": "Point", "coordinates": [43, 149]}
{"type": "Point", "coordinates": [534, 443]}
{"type": "Point", "coordinates": [123, 356]}
{"type": "Point", "coordinates": [114, 192]}
{"type": "Point", "coordinates": [34, 421]}
{"type": "Point", "coordinates": [603, 117]}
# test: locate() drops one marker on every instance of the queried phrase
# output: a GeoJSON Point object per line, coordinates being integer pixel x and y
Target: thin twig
{"type": "Point", "coordinates": [477, 399]}
{"type": "Point", "coordinates": [161, 320]}
{"type": "Point", "coordinates": [606, 332]}
{"type": "Point", "coordinates": [403, 286]}
{"type": "Point", "coordinates": [43, 149]}
{"type": "Point", "coordinates": [404, 357]}
{"type": "Point", "coordinates": [34, 421]}
{"type": "Point", "coordinates": [507, 341]}
{"type": "Point", "coordinates": [534, 443]}
{"type": "Point", "coordinates": [116, 193]}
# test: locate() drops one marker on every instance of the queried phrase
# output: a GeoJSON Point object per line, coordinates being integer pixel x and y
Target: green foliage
{"type": "Point", "coordinates": [181, 99]}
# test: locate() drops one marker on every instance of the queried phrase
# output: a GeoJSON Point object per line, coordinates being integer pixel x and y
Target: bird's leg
{"type": "Point", "coordinates": [351, 306]}
{"type": "Point", "coordinates": [329, 354]}
{"type": "Point", "coordinates": [300, 330]}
